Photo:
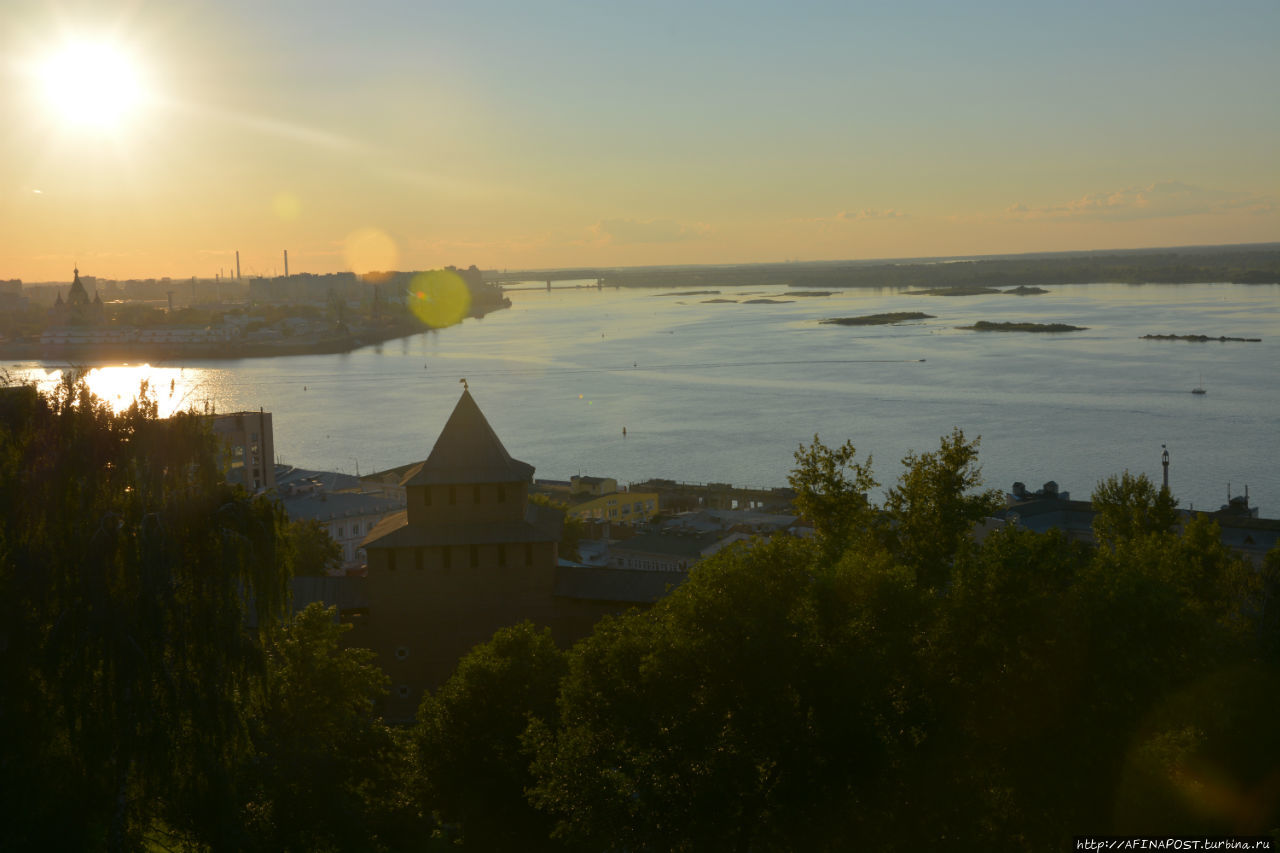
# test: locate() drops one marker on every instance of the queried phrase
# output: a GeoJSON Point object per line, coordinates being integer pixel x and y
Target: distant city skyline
{"type": "Point", "coordinates": [145, 141]}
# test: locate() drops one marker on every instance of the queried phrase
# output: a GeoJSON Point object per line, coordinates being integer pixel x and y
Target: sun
{"type": "Point", "coordinates": [92, 83]}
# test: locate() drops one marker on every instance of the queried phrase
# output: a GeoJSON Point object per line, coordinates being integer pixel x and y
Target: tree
{"type": "Point", "coordinates": [931, 511]}
{"type": "Point", "coordinates": [913, 688]}
{"type": "Point", "coordinates": [129, 571]}
{"type": "Point", "coordinates": [831, 491]}
{"type": "Point", "coordinates": [469, 733]}
{"type": "Point", "coordinates": [314, 551]}
{"type": "Point", "coordinates": [570, 531]}
{"type": "Point", "coordinates": [324, 769]}
{"type": "Point", "coordinates": [1269, 617]}
{"type": "Point", "coordinates": [1127, 507]}
{"type": "Point", "coordinates": [1006, 661]}
{"type": "Point", "coordinates": [756, 707]}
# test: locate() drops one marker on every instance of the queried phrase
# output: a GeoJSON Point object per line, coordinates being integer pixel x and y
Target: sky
{"type": "Point", "coordinates": [147, 139]}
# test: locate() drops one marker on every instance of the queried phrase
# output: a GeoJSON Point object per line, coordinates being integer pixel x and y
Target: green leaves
{"type": "Point", "coordinates": [313, 550]}
{"type": "Point", "coordinates": [831, 491]}
{"type": "Point", "coordinates": [1128, 507]}
{"type": "Point", "coordinates": [470, 738]}
{"type": "Point", "coordinates": [931, 511]}
{"type": "Point", "coordinates": [744, 711]}
{"type": "Point", "coordinates": [895, 673]}
{"type": "Point", "coordinates": [890, 684]}
{"type": "Point", "coordinates": [125, 576]}
{"type": "Point", "coordinates": [323, 771]}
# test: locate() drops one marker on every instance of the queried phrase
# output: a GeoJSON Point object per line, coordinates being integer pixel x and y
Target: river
{"type": "Point", "coordinates": [726, 391]}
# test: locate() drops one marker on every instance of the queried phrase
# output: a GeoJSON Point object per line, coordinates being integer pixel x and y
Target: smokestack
{"type": "Point", "coordinates": [286, 263]}
{"type": "Point", "coordinates": [237, 264]}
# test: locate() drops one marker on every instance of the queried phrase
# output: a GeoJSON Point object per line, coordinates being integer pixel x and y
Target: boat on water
{"type": "Point", "coordinates": [1199, 389]}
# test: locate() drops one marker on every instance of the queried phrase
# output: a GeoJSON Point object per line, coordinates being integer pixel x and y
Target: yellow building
{"type": "Point", "coordinates": [616, 507]}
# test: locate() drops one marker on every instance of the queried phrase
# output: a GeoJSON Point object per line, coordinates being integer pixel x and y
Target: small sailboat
{"type": "Point", "coordinates": [1199, 389]}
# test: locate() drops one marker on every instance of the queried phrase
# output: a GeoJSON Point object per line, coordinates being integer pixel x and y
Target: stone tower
{"type": "Point", "coordinates": [468, 555]}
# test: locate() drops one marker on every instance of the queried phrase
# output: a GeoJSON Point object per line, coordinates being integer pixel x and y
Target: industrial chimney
{"type": "Point", "coordinates": [286, 263]}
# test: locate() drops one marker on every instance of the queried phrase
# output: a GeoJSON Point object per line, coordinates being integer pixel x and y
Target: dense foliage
{"type": "Point", "coordinates": [314, 550]}
{"type": "Point", "coordinates": [475, 766]}
{"type": "Point", "coordinates": [910, 689]}
{"type": "Point", "coordinates": [892, 683]}
{"type": "Point", "coordinates": [322, 771]}
{"type": "Point", "coordinates": [151, 692]}
{"type": "Point", "coordinates": [128, 575]}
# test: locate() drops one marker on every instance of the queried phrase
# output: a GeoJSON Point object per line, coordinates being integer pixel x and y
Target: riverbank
{"type": "Point", "coordinates": [1242, 264]}
{"type": "Point", "coordinates": [161, 352]}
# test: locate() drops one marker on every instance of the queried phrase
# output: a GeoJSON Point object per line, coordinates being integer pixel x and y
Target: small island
{"type": "Point", "coordinates": [690, 293]}
{"type": "Point", "coordinates": [987, 326]}
{"type": "Point", "coordinates": [966, 290]}
{"type": "Point", "coordinates": [710, 301]}
{"type": "Point", "coordinates": [878, 319]}
{"type": "Point", "coordinates": [766, 301]}
{"type": "Point", "coordinates": [809, 292]}
{"type": "Point", "coordinates": [1199, 338]}
{"type": "Point", "coordinates": [978, 290]}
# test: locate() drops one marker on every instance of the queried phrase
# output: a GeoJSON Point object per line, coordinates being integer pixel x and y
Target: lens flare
{"type": "Point", "coordinates": [371, 254]}
{"type": "Point", "coordinates": [286, 206]}
{"type": "Point", "coordinates": [439, 298]}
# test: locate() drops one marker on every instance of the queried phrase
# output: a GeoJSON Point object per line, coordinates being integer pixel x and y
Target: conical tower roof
{"type": "Point", "coordinates": [468, 451]}
{"type": "Point", "coordinates": [77, 295]}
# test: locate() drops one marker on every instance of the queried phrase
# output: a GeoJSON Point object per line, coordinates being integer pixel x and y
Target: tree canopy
{"type": "Point", "coordinates": [1127, 507]}
{"type": "Point", "coordinates": [130, 573]}
{"type": "Point", "coordinates": [469, 736]}
{"type": "Point", "coordinates": [892, 683]}
{"type": "Point", "coordinates": [313, 550]}
{"type": "Point", "coordinates": [323, 771]}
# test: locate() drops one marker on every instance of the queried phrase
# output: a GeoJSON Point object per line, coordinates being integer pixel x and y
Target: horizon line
{"type": "Point", "coordinates": [919, 259]}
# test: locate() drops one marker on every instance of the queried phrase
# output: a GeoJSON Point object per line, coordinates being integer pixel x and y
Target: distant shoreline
{"type": "Point", "coordinates": [1239, 264]}
{"type": "Point", "coordinates": [220, 351]}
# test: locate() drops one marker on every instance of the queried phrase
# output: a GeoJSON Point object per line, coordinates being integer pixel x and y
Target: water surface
{"type": "Point", "coordinates": [727, 391]}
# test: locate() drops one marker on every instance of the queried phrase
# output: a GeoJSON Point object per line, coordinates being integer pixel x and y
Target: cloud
{"type": "Point", "coordinates": [870, 213]}
{"type": "Point", "coordinates": [620, 232]}
{"type": "Point", "coordinates": [1159, 200]}
{"type": "Point", "coordinates": [465, 247]}
{"type": "Point", "coordinates": [866, 213]}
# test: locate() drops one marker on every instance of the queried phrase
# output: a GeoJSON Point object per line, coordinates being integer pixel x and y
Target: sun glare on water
{"type": "Point", "coordinates": [92, 83]}
{"type": "Point", "coordinates": [173, 389]}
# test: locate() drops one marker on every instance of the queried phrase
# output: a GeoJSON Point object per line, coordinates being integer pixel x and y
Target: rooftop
{"type": "Point", "coordinates": [540, 524]}
{"type": "Point", "coordinates": [291, 478]}
{"type": "Point", "coordinates": [468, 451]}
{"type": "Point", "coordinates": [671, 544]}
{"type": "Point", "coordinates": [328, 506]}
{"type": "Point", "coordinates": [600, 584]}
